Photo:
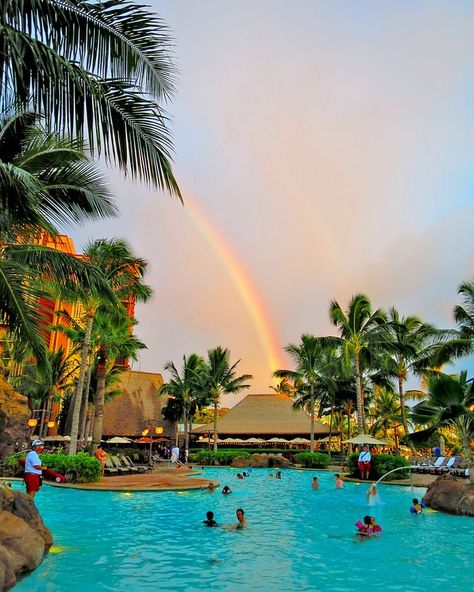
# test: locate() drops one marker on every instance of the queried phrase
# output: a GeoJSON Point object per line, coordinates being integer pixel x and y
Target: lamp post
{"type": "Point", "coordinates": [151, 427]}
{"type": "Point", "coordinates": [41, 417]}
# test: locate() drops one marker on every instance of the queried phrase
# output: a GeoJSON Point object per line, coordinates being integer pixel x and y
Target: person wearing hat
{"type": "Point", "coordinates": [33, 468]}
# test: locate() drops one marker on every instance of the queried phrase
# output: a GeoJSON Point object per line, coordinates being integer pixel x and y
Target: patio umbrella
{"type": "Point", "coordinates": [254, 440]}
{"type": "Point", "coordinates": [364, 439]}
{"type": "Point", "coordinates": [300, 441]}
{"type": "Point", "coordinates": [278, 440]}
{"type": "Point", "coordinates": [118, 440]}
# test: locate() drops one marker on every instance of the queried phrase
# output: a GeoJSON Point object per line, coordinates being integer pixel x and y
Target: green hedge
{"type": "Point", "coordinates": [318, 460]}
{"type": "Point", "coordinates": [81, 468]}
{"type": "Point", "coordinates": [223, 457]}
{"type": "Point", "coordinates": [381, 464]}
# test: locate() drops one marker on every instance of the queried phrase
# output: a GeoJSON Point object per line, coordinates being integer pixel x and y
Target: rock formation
{"type": "Point", "coordinates": [23, 536]}
{"type": "Point", "coordinates": [14, 415]}
{"type": "Point", "coordinates": [450, 495]}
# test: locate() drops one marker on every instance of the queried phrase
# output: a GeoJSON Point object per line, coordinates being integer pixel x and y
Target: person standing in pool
{"type": "Point", "coordinates": [242, 522]}
{"type": "Point", "coordinates": [315, 483]}
{"type": "Point", "coordinates": [210, 519]}
{"type": "Point", "coordinates": [339, 481]}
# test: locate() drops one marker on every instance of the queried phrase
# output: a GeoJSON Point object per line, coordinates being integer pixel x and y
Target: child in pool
{"type": "Point", "coordinates": [369, 527]}
{"type": "Point", "coordinates": [417, 508]}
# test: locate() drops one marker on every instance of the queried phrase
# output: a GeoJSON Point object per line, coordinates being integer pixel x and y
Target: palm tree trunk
{"type": "Point", "coordinates": [360, 396]}
{"type": "Point", "coordinates": [99, 400]}
{"type": "Point", "coordinates": [77, 400]}
{"type": "Point", "coordinates": [85, 406]}
{"type": "Point", "coordinates": [401, 396]}
{"type": "Point", "coordinates": [311, 411]}
{"type": "Point", "coordinates": [185, 421]}
{"type": "Point", "coordinates": [216, 402]}
{"type": "Point", "coordinates": [330, 426]}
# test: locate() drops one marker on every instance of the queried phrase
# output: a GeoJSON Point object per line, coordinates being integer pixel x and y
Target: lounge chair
{"type": "Point", "coordinates": [445, 467]}
{"type": "Point", "coordinates": [118, 465]}
{"type": "Point", "coordinates": [109, 468]}
{"type": "Point", "coordinates": [126, 465]}
{"type": "Point", "coordinates": [440, 463]}
{"type": "Point", "coordinates": [427, 468]}
{"type": "Point", "coordinates": [140, 468]}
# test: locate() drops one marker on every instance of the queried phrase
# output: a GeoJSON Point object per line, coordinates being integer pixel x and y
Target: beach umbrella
{"type": "Point", "coordinates": [300, 441]}
{"type": "Point", "coordinates": [278, 440]}
{"type": "Point", "coordinates": [118, 440]}
{"type": "Point", "coordinates": [364, 439]}
{"type": "Point", "coordinates": [254, 440]}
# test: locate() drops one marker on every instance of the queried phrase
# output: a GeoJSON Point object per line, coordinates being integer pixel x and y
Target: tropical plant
{"type": "Point", "coordinates": [450, 402]}
{"type": "Point", "coordinates": [220, 379]}
{"type": "Point", "coordinates": [385, 412]}
{"type": "Point", "coordinates": [363, 336]}
{"type": "Point", "coordinates": [97, 70]}
{"type": "Point", "coordinates": [313, 375]}
{"type": "Point", "coordinates": [44, 181]}
{"type": "Point", "coordinates": [185, 388]}
{"type": "Point", "coordinates": [113, 338]}
{"type": "Point", "coordinates": [317, 460]}
{"type": "Point", "coordinates": [124, 272]}
{"type": "Point", "coordinates": [413, 340]}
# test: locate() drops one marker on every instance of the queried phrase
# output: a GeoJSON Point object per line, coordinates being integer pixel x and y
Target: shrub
{"type": "Point", "coordinates": [223, 457]}
{"type": "Point", "coordinates": [381, 464]}
{"type": "Point", "coordinates": [318, 460]}
{"type": "Point", "coordinates": [81, 468]}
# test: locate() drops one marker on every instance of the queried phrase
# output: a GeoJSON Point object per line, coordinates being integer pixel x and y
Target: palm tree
{"type": "Point", "coordinates": [385, 411]}
{"type": "Point", "coordinates": [97, 70]}
{"type": "Point", "coordinates": [44, 181]}
{"type": "Point", "coordinates": [313, 374]}
{"type": "Point", "coordinates": [410, 335]}
{"type": "Point", "coordinates": [114, 340]}
{"type": "Point", "coordinates": [363, 337]}
{"type": "Point", "coordinates": [220, 379]}
{"type": "Point", "coordinates": [124, 272]}
{"type": "Point", "coordinates": [185, 388]}
{"type": "Point", "coordinates": [450, 402]}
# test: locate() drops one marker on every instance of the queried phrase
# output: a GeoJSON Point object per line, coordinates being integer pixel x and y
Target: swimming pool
{"type": "Point", "coordinates": [297, 539]}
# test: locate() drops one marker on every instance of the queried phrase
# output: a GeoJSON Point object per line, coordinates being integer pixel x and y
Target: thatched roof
{"type": "Point", "coordinates": [265, 415]}
{"type": "Point", "coordinates": [126, 414]}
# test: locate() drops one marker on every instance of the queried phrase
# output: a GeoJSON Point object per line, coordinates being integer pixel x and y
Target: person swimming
{"type": "Point", "coordinates": [315, 483]}
{"type": "Point", "coordinates": [339, 481]}
{"type": "Point", "coordinates": [226, 490]}
{"type": "Point", "coordinates": [278, 475]}
{"type": "Point", "coordinates": [210, 519]}
{"type": "Point", "coordinates": [417, 507]}
{"type": "Point", "coordinates": [369, 527]}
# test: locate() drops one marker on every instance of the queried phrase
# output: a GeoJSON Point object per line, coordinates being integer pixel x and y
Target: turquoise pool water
{"type": "Point", "coordinates": [297, 539]}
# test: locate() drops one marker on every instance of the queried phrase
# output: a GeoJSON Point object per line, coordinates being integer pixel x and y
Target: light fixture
{"type": "Point", "coordinates": [51, 424]}
{"type": "Point", "coordinates": [158, 430]}
{"type": "Point", "coordinates": [32, 422]}
{"type": "Point", "coordinates": [145, 432]}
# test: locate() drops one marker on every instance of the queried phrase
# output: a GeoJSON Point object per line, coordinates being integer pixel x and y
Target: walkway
{"type": "Point", "coordinates": [160, 479]}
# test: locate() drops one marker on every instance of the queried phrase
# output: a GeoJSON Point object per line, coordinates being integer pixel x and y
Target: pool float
{"type": "Point", "coordinates": [364, 529]}
{"type": "Point", "coordinates": [48, 474]}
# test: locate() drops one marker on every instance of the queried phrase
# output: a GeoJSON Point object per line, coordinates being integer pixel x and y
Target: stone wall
{"type": "Point", "coordinates": [14, 415]}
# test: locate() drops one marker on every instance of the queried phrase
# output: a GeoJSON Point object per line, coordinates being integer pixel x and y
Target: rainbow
{"type": "Point", "coordinates": [243, 283]}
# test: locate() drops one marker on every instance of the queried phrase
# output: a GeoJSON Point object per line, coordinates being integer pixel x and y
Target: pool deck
{"type": "Point", "coordinates": [160, 479]}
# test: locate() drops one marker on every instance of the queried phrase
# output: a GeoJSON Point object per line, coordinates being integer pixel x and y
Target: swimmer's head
{"type": "Point", "coordinates": [210, 515]}
{"type": "Point", "coordinates": [415, 501]}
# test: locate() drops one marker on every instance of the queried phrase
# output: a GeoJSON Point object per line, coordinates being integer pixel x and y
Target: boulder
{"type": "Point", "coordinates": [278, 460]}
{"type": "Point", "coordinates": [259, 461]}
{"type": "Point", "coordinates": [240, 462]}
{"type": "Point", "coordinates": [14, 415]}
{"type": "Point", "coordinates": [23, 536]}
{"type": "Point", "coordinates": [450, 495]}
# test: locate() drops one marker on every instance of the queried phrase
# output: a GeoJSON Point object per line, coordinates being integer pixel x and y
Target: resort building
{"type": "Point", "coordinates": [264, 416]}
{"type": "Point", "coordinates": [138, 407]}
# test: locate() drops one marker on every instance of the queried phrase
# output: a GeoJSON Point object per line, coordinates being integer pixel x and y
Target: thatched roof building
{"type": "Point", "coordinates": [127, 413]}
{"type": "Point", "coordinates": [265, 416]}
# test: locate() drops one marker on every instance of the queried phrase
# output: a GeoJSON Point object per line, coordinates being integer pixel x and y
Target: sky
{"type": "Point", "coordinates": [323, 149]}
